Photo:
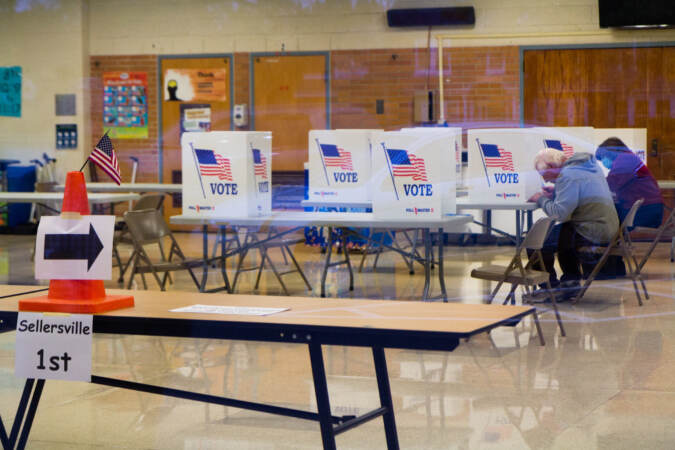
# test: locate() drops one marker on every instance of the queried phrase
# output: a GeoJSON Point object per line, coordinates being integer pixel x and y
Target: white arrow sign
{"type": "Point", "coordinates": [74, 248]}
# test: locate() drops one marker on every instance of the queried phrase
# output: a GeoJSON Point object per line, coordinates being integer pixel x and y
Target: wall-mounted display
{"type": "Point", "coordinates": [125, 104]}
{"type": "Point", "coordinates": [203, 85]}
{"type": "Point", "coordinates": [10, 91]}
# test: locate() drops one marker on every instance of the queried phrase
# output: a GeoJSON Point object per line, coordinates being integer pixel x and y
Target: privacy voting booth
{"type": "Point", "coordinates": [569, 140]}
{"type": "Point", "coordinates": [413, 177]}
{"type": "Point", "coordinates": [340, 165]}
{"type": "Point", "coordinates": [455, 148]}
{"type": "Point", "coordinates": [634, 138]}
{"type": "Point", "coordinates": [501, 164]}
{"type": "Point", "coordinates": [227, 173]}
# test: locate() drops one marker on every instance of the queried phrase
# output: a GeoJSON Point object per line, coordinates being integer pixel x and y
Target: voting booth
{"type": "Point", "coordinates": [569, 140]}
{"type": "Point", "coordinates": [340, 165]}
{"type": "Point", "coordinates": [634, 138]}
{"type": "Point", "coordinates": [227, 173]}
{"type": "Point", "coordinates": [455, 147]}
{"type": "Point", "coordinates": [413, 175]}
{"type": "Point", "coordinates": [501, 164]}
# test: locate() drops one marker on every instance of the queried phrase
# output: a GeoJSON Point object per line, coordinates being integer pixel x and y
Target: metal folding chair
{"type": "Point", "coordinates": [620, 245]}
{"type": "Point", "coordinates": [527, 275]}
{"type": "Point", "coordinates": [121, 236]}
{"type": "Point", "coordinates": [147, 228]}
{"type": "Point", "coordinates": [667, 225]}
{"type": "Point", "coordinates": [251, 240]}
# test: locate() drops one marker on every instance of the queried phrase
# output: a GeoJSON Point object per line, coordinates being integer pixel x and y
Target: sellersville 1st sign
{"type": "Point", "coordinates": [74, 248]}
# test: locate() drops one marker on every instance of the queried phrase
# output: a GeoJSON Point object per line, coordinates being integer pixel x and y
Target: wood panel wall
{"type": "Point", "coordinates": [606, 88]}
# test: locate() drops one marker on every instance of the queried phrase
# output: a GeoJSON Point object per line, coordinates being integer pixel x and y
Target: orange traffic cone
{"type": "Point", "coordinates": [76, 296]}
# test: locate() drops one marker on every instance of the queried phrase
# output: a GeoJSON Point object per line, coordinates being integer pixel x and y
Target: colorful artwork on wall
{"type": "Point", "coordinates": [125, 105]}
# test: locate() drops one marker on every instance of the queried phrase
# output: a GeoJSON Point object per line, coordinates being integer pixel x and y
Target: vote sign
{"type": "Point", "coordinates": [74, 248]}
{"type": "Point", "coordinates": [53, 346]}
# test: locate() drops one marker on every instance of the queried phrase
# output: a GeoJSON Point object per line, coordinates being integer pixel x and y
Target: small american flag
{"type": "Point", "coordinates": [103, 156]}
{"type": "Point", "coordinates": [568, 150]}
{"type": "Point", "coordinates": [259, 163]}
{"type": "Point", "coordinates": [334, 156]}
{"type": "Point", "coordinates": [404, 164]}
{"type": "Point", "coordinates": [497, 157]}
{"type": "Point", "coordinates": [213, 165]}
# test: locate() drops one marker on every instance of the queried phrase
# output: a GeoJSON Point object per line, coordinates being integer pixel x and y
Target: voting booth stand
{"type": "Point", "coordinates": [569, 140]}
{"type": "Point", "coordinates": [456, 146]}
{"type": "Point", "coordinates": [82, 296]}
{"type": "Point", "coordinates": [501, 168]}
{"type": "Point", "coordinates": [227, 173]}
{"type": "Point", "coordinates": [340, 165]}
{"type": "Point", "coordinates": [413, 174]}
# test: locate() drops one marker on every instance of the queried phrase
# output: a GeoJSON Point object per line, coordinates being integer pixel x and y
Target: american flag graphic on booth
{"type": "Point", "coordinates": [497, 157]}
{"type": "Point", "coordinates": [556, 144]}
{"type": "Point", "coordinates": [404, 164]}
{"type": "Point", "coordinates": [333, 156]}
{"type": "Point", "coordinates": [212, 164]}
{"type": "Point", "coordinates": [259, 163]}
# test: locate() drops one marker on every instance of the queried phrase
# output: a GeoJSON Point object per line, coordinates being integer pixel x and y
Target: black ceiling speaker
{"type": "Point", "coordinates": [431, 17]}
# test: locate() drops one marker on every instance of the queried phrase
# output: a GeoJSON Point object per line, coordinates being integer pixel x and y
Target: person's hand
{"type": "Point", "coordinates": [536, 197]}
{"type": "Point", "coordinates": [548, 191]}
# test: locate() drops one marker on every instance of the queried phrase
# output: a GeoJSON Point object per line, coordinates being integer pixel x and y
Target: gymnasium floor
{"type": "Point", "coordinates": [608, 385]}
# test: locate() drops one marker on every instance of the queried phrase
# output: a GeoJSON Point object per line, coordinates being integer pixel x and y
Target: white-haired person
{"type": "Point", "coordinates": [580, 200]}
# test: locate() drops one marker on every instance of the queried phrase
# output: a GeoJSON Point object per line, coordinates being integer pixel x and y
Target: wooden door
{"type": "Point", "coordinates": [289, 99]}
{"type": "Point", "coordinates": [208, 92]}
{"type": "Point", "coordinates": [606, 88]}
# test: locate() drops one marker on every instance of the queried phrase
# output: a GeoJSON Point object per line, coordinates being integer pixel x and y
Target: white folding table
{"type": "Point", "coordinates": [347, 222]}
{"type": "Point", "coordinates": [523, 211]}
{"type": "Point", "coordinates": [130, 187]}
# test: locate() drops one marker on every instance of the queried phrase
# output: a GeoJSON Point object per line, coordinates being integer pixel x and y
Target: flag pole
{"type": "Point", "coordinates": [199, 174]}
{"type": "Point", "coordinates": [482, 158]}
{"type": "Point", "coordinates": [323, 163]}
{"type": "Point", "coordinates": [255, 182]}
{"type": "Point", "coordinates": [393, 181]}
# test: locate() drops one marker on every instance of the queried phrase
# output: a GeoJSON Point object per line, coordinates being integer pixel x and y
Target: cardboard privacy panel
{"type": "Point", "coordinates": [501, 164]}
{"type": "Point", "coordinates": [413, 174]}
{"type": "Point", "coordinates": [340, 165]}
{"type": "Point", "coordinates": [569, 140]}
{"type": "Point", "coordinates": [227, 173]}
{"type": "Point", "coordinates": [456, 145]}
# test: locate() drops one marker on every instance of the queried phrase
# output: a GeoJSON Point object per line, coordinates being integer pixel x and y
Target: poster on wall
{"type": "Point", "coordinates": [195, 117]}
{"type": "Point", "coordinates": [125, 104]}
{"type": "Point", "coordinates": [10, 91]}
{"type": "Point", "coordinates": [202, 85]}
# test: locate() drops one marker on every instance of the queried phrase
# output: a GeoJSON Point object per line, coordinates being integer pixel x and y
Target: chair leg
{"type": "Point", "coordinates": [634, 276]}
{"type": "Point", "coordinates": [379, 250]}
{"type": "Point", "coordinates": [555, 308]}
{"type": "Point", "coordinates": [263, 255]}
{"type": "Point", "coordinates": [494, 292]}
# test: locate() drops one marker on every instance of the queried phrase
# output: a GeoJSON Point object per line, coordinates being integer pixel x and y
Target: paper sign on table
{"type": "Point", "coordinates": [238, 310]}
{"type": "Point", "coordinates": [74, 249]}
{"type": "Point", "coordinates": [54, 347]}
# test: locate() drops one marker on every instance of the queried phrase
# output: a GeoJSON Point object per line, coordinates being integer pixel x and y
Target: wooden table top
{"type": "Point", "coordinates": [342, 316]}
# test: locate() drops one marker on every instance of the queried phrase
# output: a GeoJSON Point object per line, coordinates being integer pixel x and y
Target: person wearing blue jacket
{"type": "Point", "coordinates": [580, 200]}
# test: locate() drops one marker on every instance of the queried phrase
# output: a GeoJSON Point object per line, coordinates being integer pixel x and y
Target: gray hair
{"type": "Point", "coordinates": [549, 157]}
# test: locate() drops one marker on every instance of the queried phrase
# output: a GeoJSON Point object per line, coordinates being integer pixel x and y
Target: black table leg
{"type": "Point", "coordinates": [385, 397]}
{"type": "Point", "coordinates": [345, 251]}
{"type": "Point", "coordinates": [223, 260]}
{"type": "Point", "coordinates": [23, 421]}
{"type": "Point", "coordinates": [321, 392]}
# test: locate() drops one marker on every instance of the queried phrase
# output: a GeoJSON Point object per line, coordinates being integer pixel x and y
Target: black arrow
{"type": "Point", "coordinates": [73, 246]}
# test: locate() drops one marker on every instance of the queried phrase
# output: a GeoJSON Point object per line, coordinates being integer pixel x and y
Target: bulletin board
{"type": "Point", "coordinates": [10, 91]}
{"type": "Point", "coordinates": [125, 105]}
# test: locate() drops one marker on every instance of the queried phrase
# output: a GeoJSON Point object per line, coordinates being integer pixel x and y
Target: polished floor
{"type": "Point", "coordinates": [608, 385]}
